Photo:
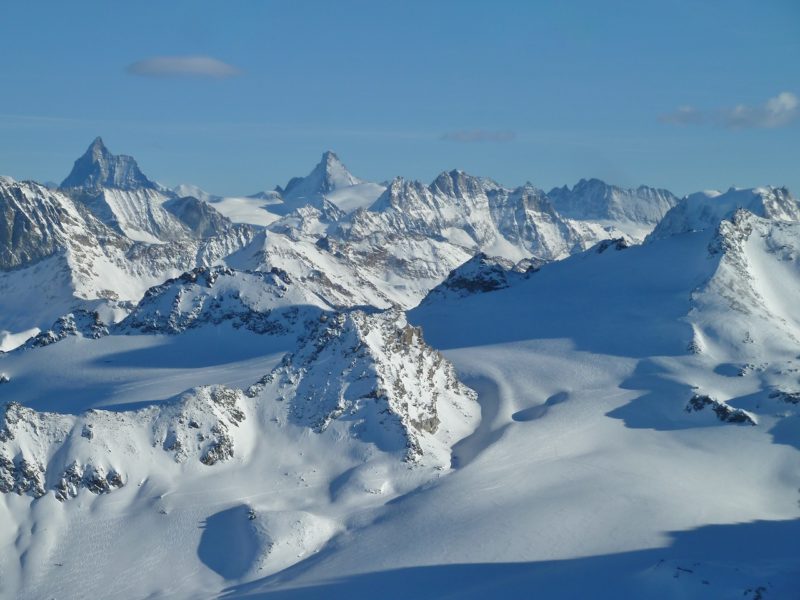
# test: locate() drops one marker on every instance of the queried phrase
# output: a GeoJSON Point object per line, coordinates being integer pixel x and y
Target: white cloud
{"type": "Point", "coordinates": [775, 112]}
{"type": "Point", "coordinates": [478, 136]}
{"type": "Point", "coordinates": [183, 66]}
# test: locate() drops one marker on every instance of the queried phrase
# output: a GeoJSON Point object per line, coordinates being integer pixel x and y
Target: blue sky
{"type": "Point", "coordinates": [239, 96]}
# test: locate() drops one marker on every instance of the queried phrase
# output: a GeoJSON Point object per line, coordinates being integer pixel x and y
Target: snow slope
{"type": "Point", "coordinates": [591, 470]}
{"type": "Point", "coordinates": [252, 211]}
{"type": "Point", "coordinates": [109, 440]}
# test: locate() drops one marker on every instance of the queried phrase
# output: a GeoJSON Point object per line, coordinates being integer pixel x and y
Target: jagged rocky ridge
{"type": "Point", "coordinates": [369, 376]}
{"type": "Point", "coordinates": [112, 233]}
{"type": "Point", "coordinates": [56, 256]}
{"type": "Point", "coordinates": [632, 210]}
{"type": "Point", "coordinates": [260, 301]}
{"type": "Point", "coordinates": [475, 214]}
{"type": "Point", "coordinates": [481, 274]}
{"type": "Point", "coordinates": [98, 169]}
{"type": "Point", "coordinates": [723, 412]}
{"type": "Point", "coordinates": [413, 236]}
{"type": "Point", "coordinates": [372, 375]}
{"type": "Point", "coordinates": [115, 190]}
{"type": "Point", "coordinates": [84, 323]}
{"type": "Point", "coordinates": [743, 302]}
{"type": "Point", "coordinates": [42, 451]}
{"type": "Point", "coordinates": [704, 210]}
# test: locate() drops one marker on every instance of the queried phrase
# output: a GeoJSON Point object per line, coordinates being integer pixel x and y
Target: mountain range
{"type": "Point", "coordinates": [345, 388]}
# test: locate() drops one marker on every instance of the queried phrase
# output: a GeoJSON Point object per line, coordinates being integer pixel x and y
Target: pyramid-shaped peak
{"type": "Point", "coordinates": [98, 168]}
{"type": "Point", "coordinates": [335, 170]}
{"type": "Point", "coordinates": [98, 145]}
{"type": "Point", "coordinates": [330, 156]}
{"type": "Point", "coordinates": [329, 175]}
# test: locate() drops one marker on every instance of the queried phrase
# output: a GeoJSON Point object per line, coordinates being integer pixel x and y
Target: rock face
{"type": "Point", "coordinates": [474, 214]}
{"type": "Point", "coordinates": [42, 451]}
{"type": "Point", "coordinates": [98, 168]}
{"type": "Point", "coordinates": [372, 376]}
{"type": "Point", "coordinates": [114, 189]}
{"type": "Point", "coordinates": [200, 424]}
{"type": "Point", "coordinates": [36, 223]}
{"type": "Point", "coordinates": [725, 413]}
{"type": "Point", "coordinates": [201, 219]}
{"type": "Point", "coordinates": [82, 322]}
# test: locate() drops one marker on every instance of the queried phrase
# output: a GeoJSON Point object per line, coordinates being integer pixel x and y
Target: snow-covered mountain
{"type": "Point", "coordinates": [474, 214]}
{"type": "Point", "coordinates": [57, 254]}
{"type": "Point", "coordinates": [359, 411]}
{"type": "Point", "coordinates": [264, 302]}
{"type": "Point", "coordinates": [502, 382]}
{"type": "Point", "coordinates": [329, 180]}
{"type": "Point", "coordinates": [186, 189]}
{"type": "Point", "coordinates": [706, 209]}
{"type": "Point", "coordinates": [118, 193]}
{"type": "Point", "coordinates": [98, 169]}
{"type": "Point", "coordinates": [634, 211]}
{"type": "Point", "coordinates": [481, 274]}
{"type": "Point", "coordinates": [414, 235]}
{"type": "Point", "coordinates": [406, 239]}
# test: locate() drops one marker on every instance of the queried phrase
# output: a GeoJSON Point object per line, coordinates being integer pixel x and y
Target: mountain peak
{"type": "Point", "coordinates": [457, 183]}
{"type": "Point", "coordinates": [329, 156]}
{"type": "Point", "coordinates": [596, 199]}
{"type": "Point", "coordinates": [98, 144]}
{"type": "Point", "coordinates": [334, 171]}
{"type": "Point", "coordinates": [98, 168]}
{"type": "Point", "coordinates": [329, 175]}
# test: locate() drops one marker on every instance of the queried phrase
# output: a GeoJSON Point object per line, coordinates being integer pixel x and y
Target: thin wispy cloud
{"type": "Point", "coordinates": [684, 115]}
{"type": "Point", "coordinates": [776, 112]}
{"type": "Point", "coordinates": [476, 136]}
{"type": "Point", "coordinates": [183, 66]}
